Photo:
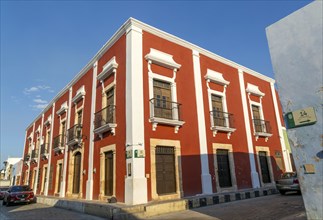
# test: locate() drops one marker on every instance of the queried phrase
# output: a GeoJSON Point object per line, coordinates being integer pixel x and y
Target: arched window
{"type": "Point", "coordinates": [77, 173]}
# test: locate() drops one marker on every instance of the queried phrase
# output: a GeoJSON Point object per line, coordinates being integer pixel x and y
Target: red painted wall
{"type": "Point", "coordinates": [190, 152]}
{"type": "Point", "coordinates": [119, 51]}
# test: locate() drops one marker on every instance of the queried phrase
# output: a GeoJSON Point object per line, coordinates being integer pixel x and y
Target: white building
{"type": "Point", "coordinates": [12, 169]}
{"type": "Point", "coordinates": [295, 44]}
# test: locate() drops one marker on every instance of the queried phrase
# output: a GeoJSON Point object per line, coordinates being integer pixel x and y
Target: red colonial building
{"type": "Point", "coordinates": [154, 117]}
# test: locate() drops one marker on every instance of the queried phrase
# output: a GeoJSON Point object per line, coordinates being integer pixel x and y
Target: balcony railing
{"type": "Point", "coordinates": [74, 135]}
{"type": "Point", "coordinates": [59, 144]}
{"type": "Point", "coordinates": [165, 112]}
{"type": "Point", "coordinates": [222, 121]}
{"type": "Point", "coordinates": [262, 128]}
{"type": "Point", "coordinates": [44, 150]}
{"type": "Point", "coordinates": [34, 155]}
{"type": "Point", "coordinates": [104, 120]}
{"type": "Point", "coordinates": [26, 157]}
{"type": "Point", "coordinates": [165, 109]}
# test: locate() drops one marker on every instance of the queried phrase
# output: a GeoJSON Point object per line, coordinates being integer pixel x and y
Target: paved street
{"type": "Point", "coordinates": [289, 207]}
{"type": "Point", "coordinates": [40, 211]}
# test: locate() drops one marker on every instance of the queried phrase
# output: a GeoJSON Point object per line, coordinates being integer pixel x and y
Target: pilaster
{"type": "Point", "coordinates": [254, 173]}
{"type": "Point", "coordinates": [205, 174]}
{"type": "Point", "coordinates": [135, 182]}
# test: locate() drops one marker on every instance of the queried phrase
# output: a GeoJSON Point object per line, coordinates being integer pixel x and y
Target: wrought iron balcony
{"type": "Point", "coordinates": [34, 155]}
{"type": "Point", "coordinates": [74, 135]}
{"type": "Point", "coordinates": [262, 128]}
{"type": "Point", "coordinates": [165, 112]}
{"type": "Point", "coordinates": [26, 157]}
{"type": "Point", "coordinates": [44, 151]}
{"type": "Point", "coordinates": [104, 120]}
{"type": "Point", "coordinates": [59, 144]}
{"type": "Point", "coordinates": [222, 121]}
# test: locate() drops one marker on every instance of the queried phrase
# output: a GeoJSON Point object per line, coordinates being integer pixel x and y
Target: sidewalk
{"type": "Point", "coordinates": [122, 211]}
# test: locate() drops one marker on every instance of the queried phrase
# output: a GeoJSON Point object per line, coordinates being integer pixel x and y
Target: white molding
{"type": "Point", "coordinates": [38, 130]}
{"type": "Point", "coordinates": [80, 93]}
{"type": "Point", "coordinates": [48, 120]}
{"type": "Point", "coordinates": [163, 59]}
{"type": "Point", "coordinates": [65, 167]}
{"type": "Point", "coordinates": [228, 130]}
{"type": "Point", "coordinates": [287, 163]}
{"type": "Point", "coordinates": [136, 183]}
{"type": "Point", "coordinates": [215, 77]}
{"type": "Point", "coordinates": [205, 170]}
{"type": "Point", "coordinates": [62, 109]}
{"type": "Point", "coordinates": [176, 123]}
{"type": "Point", "coordinates": [254, 173]}
{"type": "Point", "coordinates": [254, 90]}
{"type": "Point", "coordinates": [138, 26]}
{"type": "Point", "coordinates": [89, 183]}
{"type": "Point", "coordinates": [104, 128]}
{"type": "Point", "coordinates": [109, 68]}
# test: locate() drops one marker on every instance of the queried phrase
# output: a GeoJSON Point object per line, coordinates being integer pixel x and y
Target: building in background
{"type": "Point", "coordinates": [11, 171]}
{"type": "Point", "coordinates": [154, 117]}
{"type": "Point", "coordinates": [295, 44]}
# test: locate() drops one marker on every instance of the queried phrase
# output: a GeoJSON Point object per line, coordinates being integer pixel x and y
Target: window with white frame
{"type": "Point", "coordinates": [261, 127]}
{"type": "Point", "coordinates": [221, 119]}
{"type": "Point", "coordinates": [164, 108]}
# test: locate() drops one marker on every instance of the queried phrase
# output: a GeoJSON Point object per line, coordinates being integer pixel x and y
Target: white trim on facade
{"type": "Point", "coordinates": [217, 78]}
{"type": "Point", "coordinates": [145, 27]}
{"type": "Point", "coordinates": [167, 61]}
{"type": "Point", "coordinates": [135, 182]}
{"type": "Point", "coordinates": [205, 172]}
{"type": "Point", "coordinates": [63, 186]}
{"type": "Point", "coordinates": [254, 173]}
{"type": "Point", "coordinates": [89, 182]}
{"type": "Point", "coordinates": [287, 162]}
{"type": "Point", "coordinates": [50, 152]}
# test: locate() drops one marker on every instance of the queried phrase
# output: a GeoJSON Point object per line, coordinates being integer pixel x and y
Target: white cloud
{"type": "Point", "coordinates": [40, 101]}
{"type": "Point", "coordinates": [32, 89]}
{"type": "Point", "coordinates": [39, 106]}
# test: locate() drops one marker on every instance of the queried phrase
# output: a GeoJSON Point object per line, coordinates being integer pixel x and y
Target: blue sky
{"type": "Point", "coordinates": [44, 44]}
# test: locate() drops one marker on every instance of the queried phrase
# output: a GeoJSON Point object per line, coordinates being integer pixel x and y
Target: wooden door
{"type": "Point", "coordinates": [165, 170]}
{"type": "Point", "coordinates": [224, 173]}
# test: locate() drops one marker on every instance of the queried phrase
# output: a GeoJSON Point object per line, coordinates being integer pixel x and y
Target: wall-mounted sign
{"type": "Point", "coordinates": [301, 117]}
{"type": "Point", "coordinates": [139, 153]}
{"type": "Point", "coordinates": [128, 154]}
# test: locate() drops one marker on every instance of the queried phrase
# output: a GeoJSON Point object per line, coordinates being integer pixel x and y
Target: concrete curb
{"type": "Point", "coordinates": [118, 211]}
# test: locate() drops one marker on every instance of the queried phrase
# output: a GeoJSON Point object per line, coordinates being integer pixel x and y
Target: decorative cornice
{"type": "Point", "coordinates": [254, 90]}
{"type": "Point", "coordinates": [108, 68]}
{"type": "Point", "coordinates": [163, 59]}
{"type": "Point", "coordinates": [133, 24]}
{"type": "Point", "coordinates": [215, 77]}
{"type": "Point", "coordinates": [63, 109]}
{"type": "Point", "coordinates": [80, 93]}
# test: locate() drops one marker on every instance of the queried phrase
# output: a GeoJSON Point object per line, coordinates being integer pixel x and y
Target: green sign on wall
{"type": "Point", "coordinates": [300, 118]}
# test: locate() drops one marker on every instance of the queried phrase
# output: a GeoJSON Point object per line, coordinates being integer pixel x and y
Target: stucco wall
{"type": "Point", "coordinates": [295, 44]}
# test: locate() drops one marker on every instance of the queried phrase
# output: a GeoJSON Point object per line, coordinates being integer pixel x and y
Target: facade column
{"type": "Point", "coordinates": [254, 173]}
{"type": "Point", "coordinates": [23, 161]}
{"type": "Point", "coordinates": [205, 174]}
{"type": "Point", "coordinates": [39, 150]}
{"type": "Point", "coordinates": [63, 189]}
{"type": "Point", "coordinates": [32, 146]}
{"type": "Point", "coordinates": [89, 183]}
{"type": "Point", "coordinates": [50, 151]}
{"type": "Point", "coordinates": [287, 163]}
{"type": "Point", "coordinates": [135, 182]}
